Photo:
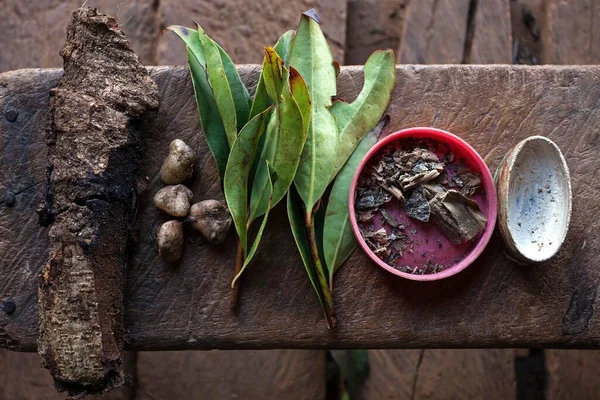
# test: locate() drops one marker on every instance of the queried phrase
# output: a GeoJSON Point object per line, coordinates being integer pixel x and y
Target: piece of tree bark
{"type": "Point", "coordinates": [93, 151]}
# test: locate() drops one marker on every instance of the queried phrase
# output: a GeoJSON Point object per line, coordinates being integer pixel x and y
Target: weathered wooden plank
{"type": "Point", "coordinates": [271, 374]}
{"type": "Point", "coordinates": [441, 374]}
{"type": "Point", "coordinates": [35, 31]}
{"type": "Point", "coordinates": [571, 33]}
{"type": "Point", "coordinates": [23, 378]}
{"type": "Point", "coordinates": [372, 25]}
{"type": "Point", "coordinates": [435, 32]}
{"type": "Point", "coordinates": [494, 303]}
{"type": "Point", "coordinates": [527, 18]}
{"type": "Point", "coordinates": [245, 27]}
{"type": "Point", "coordinates": [492, 33]}
{"type": "Point", "coordinates": [572, 374]}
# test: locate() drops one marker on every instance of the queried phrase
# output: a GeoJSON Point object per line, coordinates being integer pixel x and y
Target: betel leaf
{"type": "Point", "coordinates": [311, 57]}
{"type": "Point", "coordinates": [191, 39]}
{"type": "Point", "coordinates": [238, 169]}
{"type": "Point", "coordinates": [220, 85]}
{"type": "Point", "coordinates": [297, 223]}
{"type": "Point", "coordinates": [240, 95]}
{"type": "Point", "coordinates": [261, 98]}
{"type": "Point", "coordinates": [338, 240]}
{"type": "Point", "coordinates": [259, 234]}
{"type": "Point", "coordinates": [286, 133]}
{"type": "Point", "coordinates": [212, 125]}
{"type": "Point", "coordinates": [282, 47]}
{"type": "Point", "coordinates": [356, 118]}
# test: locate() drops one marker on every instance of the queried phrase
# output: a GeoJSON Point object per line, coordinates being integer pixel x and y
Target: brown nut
{"type": "Point", "coordinates": [212, 219]}
{"type": "Point", "coordinates": [175, 200]}
{"type": "Point", "coordinates": [170, 241]}
{"type": "Point", "coordinates": [179, 164]}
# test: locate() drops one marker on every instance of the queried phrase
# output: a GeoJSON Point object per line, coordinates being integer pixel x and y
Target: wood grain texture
{"type": "Point", "coordinates": [435, 32]}
{"type": "Point", "coordinates": [528, 21]}
{"type": "Point", "coordinates": [244, 28]}
{"type": "Point", "coordinates": [270, 374]}
{"type": "Point", "coordinates": [571, 33]}
{"type": "Point", "coordinates": [440, 374]}
{"type": "Point", "coordinates": [22, 378]}
{"type": "Point", "coordinates": [572, 374]}
{"type": "Point", "coordinates": [372, 25]}
{"type": "Point", "coordinates": [35, 31]}
{"type": "Point", "coordinates": [492, 33]}
{"type": "Point", "coordinates": [493, 303]}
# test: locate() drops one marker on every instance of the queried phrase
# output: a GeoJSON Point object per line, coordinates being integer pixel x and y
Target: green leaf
{"type": "Point", "coordinates": [241, 97]}
{"type": "Point", "coordinates": [191, 39]}
{"type": "Point", "coordinates": [311, 57]}
{"type": "Point", "coordinates": [282, 47]}
{"type": "Point", "coordinates": [212, 125]}
{"type": "Point", "coordinates": [238, 169]}
{"type": "Point", "coordinates": [354, 367]}
{"type": "Point", "coordinates": [297, 223]}
{"type": "Point", "coordinates": [338, 240]}
{"type": "Point", "coordinates": [286, 133]}
{"type": "Point", "coordinates": [355, 119]}
{"type": "Point", "coordinates": [260, 230]}
{"type": "Point", "coordinates": [217, 78]}
{"type": "Point", "coordinates": [261, 98]}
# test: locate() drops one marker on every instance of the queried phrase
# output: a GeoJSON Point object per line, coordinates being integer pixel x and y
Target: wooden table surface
{"type": "Point", "coordinates": [494, 303]}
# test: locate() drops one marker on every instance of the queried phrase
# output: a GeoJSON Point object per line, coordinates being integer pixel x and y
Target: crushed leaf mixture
{"type": "Point", "coordinates": [411, 199]}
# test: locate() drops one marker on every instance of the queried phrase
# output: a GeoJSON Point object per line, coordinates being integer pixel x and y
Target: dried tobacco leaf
{"type": "Point", "coordinates": [458, 217]}
{"type": "Point", "coordinates": [417, 206]}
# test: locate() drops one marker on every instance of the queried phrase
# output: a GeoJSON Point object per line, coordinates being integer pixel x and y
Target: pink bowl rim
{"type": "Point", "coordinates": [488, 184]}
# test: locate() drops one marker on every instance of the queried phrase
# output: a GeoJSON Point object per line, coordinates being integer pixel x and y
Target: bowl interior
{"type": "Point", "coordinates": [538, 199]}
{"type": "Point", "coordinates": [428, 249]}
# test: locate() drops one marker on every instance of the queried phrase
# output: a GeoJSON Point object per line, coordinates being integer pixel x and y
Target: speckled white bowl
{"type": "Point", "coordinates": [534, 200]}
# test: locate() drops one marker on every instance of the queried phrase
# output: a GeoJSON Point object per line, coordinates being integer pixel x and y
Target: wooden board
{"type": "Point", "coordinates": [35, 31]}
{"type": "Point", "coordinates": [572, 32]}
{"type": "Point", "coordinates": [440, 374]}
{"type": "Point", "coordinates": [270, 374]}
{"type": "Point", "coordinates": [244, 28]}
{"type": "Point", "coordinates": [373, 25]}
{"type": "Point", "coordinates": [494, 303]}
{"type": "Point", "coordinates": [23, 378]}
{"type": "Point", "coordinates": [572, 374]}
{"type": "Point", "coordinates": [492, 34]}
{"type": "Point", "coordinates": [435, 32]}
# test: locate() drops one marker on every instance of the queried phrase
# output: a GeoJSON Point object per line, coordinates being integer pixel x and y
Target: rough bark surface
{"type": "Point", "coordinates": [493, 303]}
{"type": "Point", "coordinates": [93, 151]}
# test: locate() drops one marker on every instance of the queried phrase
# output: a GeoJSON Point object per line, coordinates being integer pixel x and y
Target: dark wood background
{"type": "Point", "coordinates": [424, 31]}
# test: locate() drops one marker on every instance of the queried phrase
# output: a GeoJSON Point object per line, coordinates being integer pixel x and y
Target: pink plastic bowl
{"type": "Point", "coordinates": [461, 149]}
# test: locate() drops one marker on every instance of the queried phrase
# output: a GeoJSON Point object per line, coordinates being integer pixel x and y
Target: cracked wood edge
{"type": "Point", "coordinates": [493, 303]}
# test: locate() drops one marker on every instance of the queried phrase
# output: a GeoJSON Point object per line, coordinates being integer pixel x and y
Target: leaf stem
{"type": "Point", "coordinates": [235, 290]}
{"type": "Point", "coordinates": [323, 283]}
